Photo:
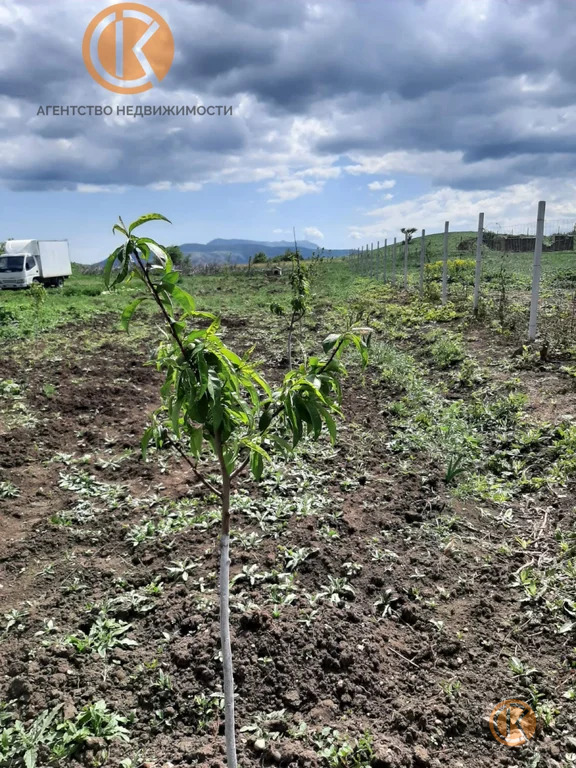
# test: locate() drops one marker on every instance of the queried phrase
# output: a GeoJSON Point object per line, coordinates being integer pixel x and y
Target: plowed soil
{"type": "Point", "coordinates": [403, 619]}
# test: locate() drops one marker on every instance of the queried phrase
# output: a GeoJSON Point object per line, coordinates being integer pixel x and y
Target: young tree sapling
{"type": "Point", "coordinates": [215, 403]}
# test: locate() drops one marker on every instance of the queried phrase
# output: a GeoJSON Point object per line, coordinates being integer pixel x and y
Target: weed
{"type": "Point", "coordinates": [338, 752]}
{"type": "Point", "coordinates": [452, 688]}
{"type": "Point", "coordinates": [181, 569]}
{"type": "Point", "coordinates": [103, 635]}
{"type": "Point", "coordinates": [446, 350]}
{"type": "Point", "coordinates": [8, 491]}
{"type": "Point", "coordinates": [48, 739]}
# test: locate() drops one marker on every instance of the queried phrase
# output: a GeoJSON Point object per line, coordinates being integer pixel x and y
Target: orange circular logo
{"type": "Point", "coordinates": [513, 722]}
{"type": "Point", "coordinates": [128, 48]}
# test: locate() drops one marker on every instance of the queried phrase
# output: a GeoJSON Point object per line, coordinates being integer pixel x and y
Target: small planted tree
{"type": "Point", "coordinates": [215, 404]}
{"type": "Point", "coordinates": [299, 302]}
{"type": "Point", "coordinates": [408, 232]}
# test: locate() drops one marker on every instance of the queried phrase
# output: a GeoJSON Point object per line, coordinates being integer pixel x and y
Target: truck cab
{"type": "Point", "coordinates": [18, 270]}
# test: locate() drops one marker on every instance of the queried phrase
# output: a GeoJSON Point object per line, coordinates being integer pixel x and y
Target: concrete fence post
{"type": "Point", "coordinates": [422, 259]}
{"type": "Point", "coordinates": [394, 263]}
{"type": "Point", "coordinates": [445, 264]}
{"type": "Point", "coordinates": [405, 261]}
{"type": "Point", "coordinates": [478, 275]}
{"type": "Point", "coordinates": [536, 271]}
{"type": "Point", "coordinates": [385, 258]}
{"type": "Point", "coordinates": [371, 259]}
{"type": "Point", "coordinates": [378, 255]}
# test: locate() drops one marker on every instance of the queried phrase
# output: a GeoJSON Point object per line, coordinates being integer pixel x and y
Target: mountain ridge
{"type": "Point", "coordinates": [238, 251]}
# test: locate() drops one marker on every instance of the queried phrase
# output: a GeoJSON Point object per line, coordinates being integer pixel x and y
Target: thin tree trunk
{"type": "Point", "coordinates": [289, 343]}
{"type": "Point", "coordinates": [229, 720]}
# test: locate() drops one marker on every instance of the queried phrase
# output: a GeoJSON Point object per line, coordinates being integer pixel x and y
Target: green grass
{"type": "Point", "coordinates": [234, 292]}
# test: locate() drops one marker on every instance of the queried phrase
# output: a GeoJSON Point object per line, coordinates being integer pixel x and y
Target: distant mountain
{"type": "Point", "coordinates": [239, 251]}
{"type": "Point", "coordinates": [221, 251]}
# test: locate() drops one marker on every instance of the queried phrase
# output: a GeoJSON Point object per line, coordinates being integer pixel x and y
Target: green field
{"type": "Point", "coordinates": [427, 555]}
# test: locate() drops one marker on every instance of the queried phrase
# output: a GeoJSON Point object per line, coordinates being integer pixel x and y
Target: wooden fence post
{"type": "Point", "coordinates": [536, 271]}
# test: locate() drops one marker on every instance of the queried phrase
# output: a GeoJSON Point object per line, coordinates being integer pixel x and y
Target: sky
{"type": "Point", "coordinates": [351, 119]}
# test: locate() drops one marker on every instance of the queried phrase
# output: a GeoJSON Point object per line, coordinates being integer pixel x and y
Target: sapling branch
{"type": "Point", "coordinates": [158, 300]}
{"type": "Point", "coordinates": [239, 469]}
{"type": "Point", "coordinates": [194, 469]}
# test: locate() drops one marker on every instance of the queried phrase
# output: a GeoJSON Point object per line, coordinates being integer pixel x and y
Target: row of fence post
{"type": "Point", "coordinates": [368, 262]}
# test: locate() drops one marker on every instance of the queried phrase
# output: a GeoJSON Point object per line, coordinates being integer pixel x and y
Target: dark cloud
{"type": "Point", "coordinates": [492, 80]}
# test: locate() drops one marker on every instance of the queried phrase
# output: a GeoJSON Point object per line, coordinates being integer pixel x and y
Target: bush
{"type": "Point", "coordinates": [75, 290]}
{"type": "Point", "coordinates": [565, 278]}
{"type": "Point", "coordinates": [459, 271]}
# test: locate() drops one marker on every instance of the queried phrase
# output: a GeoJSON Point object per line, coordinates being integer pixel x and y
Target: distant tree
{"type": "Point", "coordinates": [260, 258]}
{"type": "Point", "coordinates": [176, 254]}
{"type": "Point", "coordinates": [408, 232]}
{"type": "Point", "coordinates": [2, 247]}
{"type": "Point", "coordinates": [288, 255]}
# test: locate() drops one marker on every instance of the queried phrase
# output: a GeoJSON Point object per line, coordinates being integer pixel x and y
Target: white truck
{"type": "Point", "coordinates": [34, 261]}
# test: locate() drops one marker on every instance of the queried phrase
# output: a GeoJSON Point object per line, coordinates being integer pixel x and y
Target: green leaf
{"type": "Point", "coordinates": [331, 341]}
{"type": "Point", "coordinates": [169, 280]}
{"type": "Point", "coordinates": [145, 442]}
{"type": "Point", "coordinates": [330, 423]}
{"type": "Point", "coordinates": [129, 311]}
{"type": "Point", "coordinates": [144, 219]}
{"type": "Point", "coordinates": [161, 254]}
{"type": "Point", "coordinates": [256, 465]}
{"type": "Point", "coordinates": [277, 309]}
{"type": "Point", "coordinates": [280, 442]}
{"type": "Point", "coordinates": [183, 299]}
{"type": "Point", "coordinates": [196, 437]}
{"type": "Point", "coordinates": [255, 447]}
{"type": "Point", "coordinates": [265, 419]}
{"type": "Point", "coordinates": [109, 266]}
{"type": "Point", "coordinates": [315, 417]}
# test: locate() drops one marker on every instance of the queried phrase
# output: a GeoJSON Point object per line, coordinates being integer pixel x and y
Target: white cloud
{"type": "Point", "coordinates": [167, 186]}
{"type": "Point", "coordinates": [95, 189]}
{"type": "Point", "coordinates": [290, 189]}
{"type": "Point", "coordinates": [313, 233]}
{"type": "Point", "coordinates": [320, 172]}
{"type": "Point", "coordinates": [375, 186]}
{"type": "Point", "coordinates": [513, 205]}
{"type": "Point", "coordinates": [404, 161]}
